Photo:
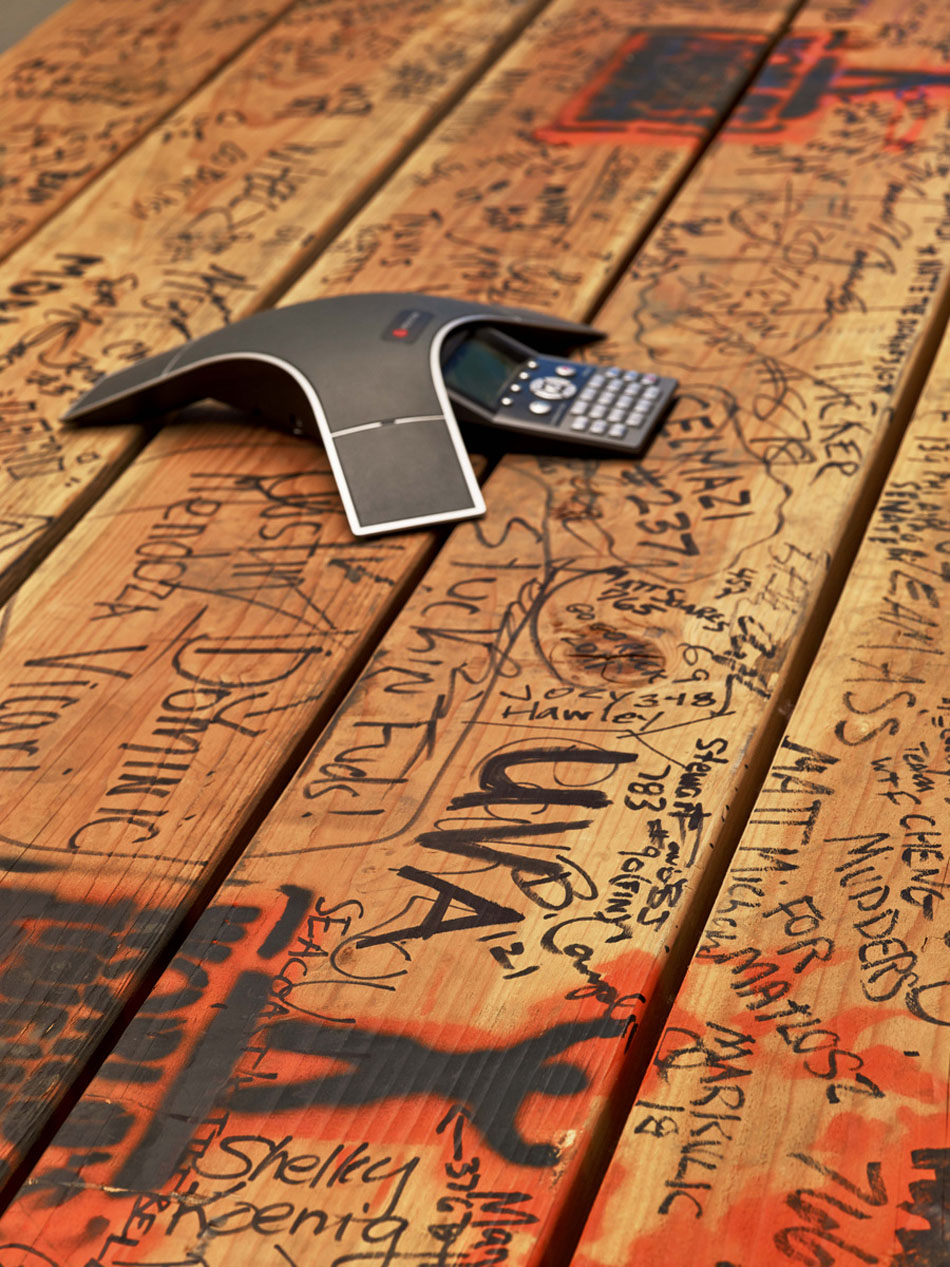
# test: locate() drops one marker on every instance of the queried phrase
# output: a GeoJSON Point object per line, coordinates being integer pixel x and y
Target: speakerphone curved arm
{"type": "Point", "coordinates": [360, 372]}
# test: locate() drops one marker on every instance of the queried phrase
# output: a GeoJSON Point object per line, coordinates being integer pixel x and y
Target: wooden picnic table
{"type": "Point", "coordinates": [565, 887]}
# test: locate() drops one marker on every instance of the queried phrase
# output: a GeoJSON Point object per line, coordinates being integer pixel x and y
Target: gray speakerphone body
{"type": "Point", "coordinates": [360, 372]}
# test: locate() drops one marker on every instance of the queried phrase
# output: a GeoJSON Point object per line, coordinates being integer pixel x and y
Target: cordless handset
{"type": "Point", "coordinates": [492, 378]}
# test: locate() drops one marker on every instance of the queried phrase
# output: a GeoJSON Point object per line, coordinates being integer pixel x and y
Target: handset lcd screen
{"type": "Point", "coordinates": [479, 369]}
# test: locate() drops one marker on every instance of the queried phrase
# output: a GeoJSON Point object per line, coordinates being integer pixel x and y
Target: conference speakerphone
{"type": "Point", "coordinates": [381, 379]}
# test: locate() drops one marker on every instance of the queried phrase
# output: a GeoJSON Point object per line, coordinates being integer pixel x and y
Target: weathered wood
{"type": "Point", "coordinates": [438, 948]}
{"type": "Point", "coordinates": [796, 1106]}
{"type": "Point", "coordinates": [91, 80]}
{"type": "Point", "coordinates": [162, 573]}
{"type": "Point", "coordinates": [209, 217]}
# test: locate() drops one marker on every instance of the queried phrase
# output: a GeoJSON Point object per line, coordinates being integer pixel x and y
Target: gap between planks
{"type": "Point", "coordinates": [569, 1225]}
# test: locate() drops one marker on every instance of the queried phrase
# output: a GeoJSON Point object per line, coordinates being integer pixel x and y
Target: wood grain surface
{"type": "Point", "coordinates": [91, 80]}
{"type": "Point", "coordinates": [406, 1027]}
{"type": "Point", "coordinates": [138, 748]}
{"type": "Point", "coordinates": [209, 217]}
{"type": "Point", "coordinates": [795, 1109]}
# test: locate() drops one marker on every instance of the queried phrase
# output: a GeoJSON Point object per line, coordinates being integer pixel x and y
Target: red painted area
{"type": "Point", "coordinates": [661, 86]}
{"type": "Point", "coordinates": [643, 94]}
{"type": "Point", "coordinates": [814, 72]}
{"type": "Point", "coordinates": [221, 1069]}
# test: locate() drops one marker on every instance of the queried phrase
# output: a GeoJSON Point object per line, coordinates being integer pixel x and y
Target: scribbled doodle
{"type": "Point", "coordinates": [831, 1218]}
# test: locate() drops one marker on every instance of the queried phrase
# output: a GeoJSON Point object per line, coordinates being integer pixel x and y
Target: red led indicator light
{"type": "Point", "coordinates": [400, 332]}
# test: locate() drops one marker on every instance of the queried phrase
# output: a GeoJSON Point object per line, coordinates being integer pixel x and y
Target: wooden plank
{"type": "Point", "coordinates": [91, 80]}
{"type": "Point", "coordinates": [444, 951]}
{"type": "Point", "coordinates": [796, 1106]}
{"type": "Point", "coordinates": [207, 219]}
{"type": "Point", "coordinates": [101, 813]}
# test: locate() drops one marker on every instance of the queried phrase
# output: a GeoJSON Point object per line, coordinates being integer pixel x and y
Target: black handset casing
{"type": "Point", "coordinates": [492, 378]}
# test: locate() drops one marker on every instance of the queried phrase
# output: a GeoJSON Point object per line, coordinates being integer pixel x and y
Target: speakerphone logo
{"type": "Point", "coordinates": [406, 326]}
